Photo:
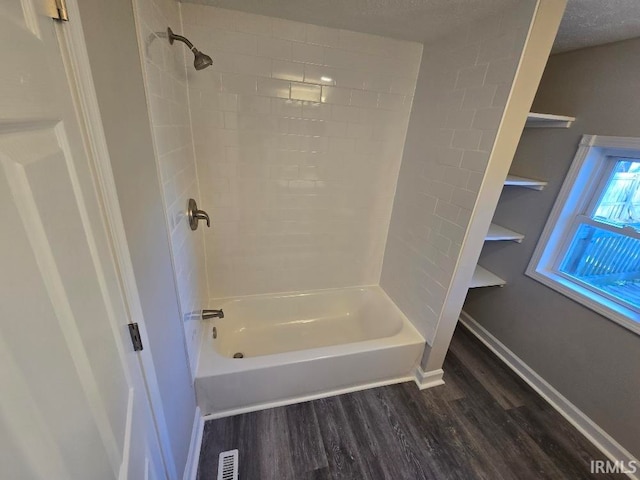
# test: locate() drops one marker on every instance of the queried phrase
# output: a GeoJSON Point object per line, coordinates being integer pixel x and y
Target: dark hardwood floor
{"type": "Point", "coordinates": [484, 423]}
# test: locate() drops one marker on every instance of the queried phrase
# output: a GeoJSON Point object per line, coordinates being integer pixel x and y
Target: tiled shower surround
{"type": "Point", "coordinates": [298, 133]}
{"type": "Point", "coordinates": [462, 91]}
{"type": "Point", "coordinates": [293, 141]}
{"type": "Point", "coordinates": [167, 96]}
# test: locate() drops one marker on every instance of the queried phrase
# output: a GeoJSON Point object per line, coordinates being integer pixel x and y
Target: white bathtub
{"type": "Point", "coordinates": [302, 346]}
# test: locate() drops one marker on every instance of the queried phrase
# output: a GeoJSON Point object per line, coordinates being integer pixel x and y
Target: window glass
{"type": "Point", "coordinates": [605, 260]}
{"type": "Point", "coordinates": [619, 203]}
{"type": "Point", "coordinates": [590, 247]}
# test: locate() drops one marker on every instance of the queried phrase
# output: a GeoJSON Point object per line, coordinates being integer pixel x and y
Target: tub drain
{"type": "Point", "coordinates": [238, 355]}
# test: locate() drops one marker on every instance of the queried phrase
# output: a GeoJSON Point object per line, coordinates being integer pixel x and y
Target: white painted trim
{"type": "Point", "coordinates": [605, 141]}
{"type": "Point", "coordinates": [306, 398]}
{"type": "Point", "coordinates": [591, 430]}
{"type": "Point", "coordinates": [124, 466]}
{"type": "Point", "coordinates": [586, 170]}
{"type": "Point", "coordinates": [90, 121]}
{"type": "Point", "coordinates": [430, 379]}
{"type": "Point", "coordinates": [191, 469]}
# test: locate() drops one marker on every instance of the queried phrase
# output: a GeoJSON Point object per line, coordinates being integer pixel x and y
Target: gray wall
{"type": "Point", "coordinates": [592, 361]}
{"type": "Point", "coordinates": [117, 75]}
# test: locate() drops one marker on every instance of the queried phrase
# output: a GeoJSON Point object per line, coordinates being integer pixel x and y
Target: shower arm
{"type": "Point", "coordinates": [200, 60]}
{"type": "Point", "coordinates": [180, 38]}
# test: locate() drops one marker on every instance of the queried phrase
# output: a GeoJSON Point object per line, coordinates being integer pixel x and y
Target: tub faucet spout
{"type": "Point", "coordinates": [207, 314]}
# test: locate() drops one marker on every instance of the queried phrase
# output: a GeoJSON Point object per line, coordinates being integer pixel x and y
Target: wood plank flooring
{"type": "Point", "coordinates": [484, 423]}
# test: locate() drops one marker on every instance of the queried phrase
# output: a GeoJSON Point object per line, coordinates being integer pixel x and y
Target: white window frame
{"type": "Point", "coordinates": [590, 168]}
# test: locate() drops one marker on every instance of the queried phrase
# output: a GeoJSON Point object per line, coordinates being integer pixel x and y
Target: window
{"type": "Point", "coordinates": [590, 247]}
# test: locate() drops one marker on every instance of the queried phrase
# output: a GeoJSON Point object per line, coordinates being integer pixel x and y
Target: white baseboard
{"type": "Point", "coordinates": [306, 398]}
{"type": "Point", "coordinates": [594, 433]}
{"type": "Point", "coordinates": [426, 380]}
{"type": "Point", "coordinates": [191, 469]}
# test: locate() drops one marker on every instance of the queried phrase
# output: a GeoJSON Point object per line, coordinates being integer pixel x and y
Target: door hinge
{"type": "Point", "coordinates": [61, 11]}
{"type": "Point", "coordinates": [135, 337]}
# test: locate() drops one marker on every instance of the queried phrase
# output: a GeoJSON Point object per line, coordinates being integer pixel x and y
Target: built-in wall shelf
{"type": "Point", "coordinates": [547, 120]}
{"type": "Point", "coordinates": [515, 181]}
{"type": "Point", "coordinates": [481, 276]}
{"type": "Point", "coordinates": [484, 278]}
{"type": "Point", "coordinates": [498, 233]}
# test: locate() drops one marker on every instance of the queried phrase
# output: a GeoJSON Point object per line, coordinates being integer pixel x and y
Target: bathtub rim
{"type": "Point", "coordinates": [216, 300]}
{"type": "Point", "coordinates": [217, 364]}
{"type": "Point", "coordinates": [372, 310]}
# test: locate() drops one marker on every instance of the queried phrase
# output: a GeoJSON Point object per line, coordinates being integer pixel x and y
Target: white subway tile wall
{"type": "Point", "coordinates": [298, 133]}
{"type": "Point", "coordinates": [167, 96]}
{"type": "Point", "coordinates": [461, 94]}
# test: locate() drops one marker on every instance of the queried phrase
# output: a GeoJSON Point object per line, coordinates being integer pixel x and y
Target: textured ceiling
{"type": "Point", "coordinates": [593, 22]}
{"type": "Point", "coordinates": [586, 22]}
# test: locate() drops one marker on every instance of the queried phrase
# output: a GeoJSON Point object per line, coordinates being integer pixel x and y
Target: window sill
{"type": "Point", "coordinates": [623, 316]}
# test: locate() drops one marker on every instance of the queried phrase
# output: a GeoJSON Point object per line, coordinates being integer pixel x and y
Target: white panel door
{"type": "Point", "coordinates": [72, 399]}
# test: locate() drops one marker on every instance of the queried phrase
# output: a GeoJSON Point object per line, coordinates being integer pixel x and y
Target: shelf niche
{"type": "Point", "coordinates": [484, 278]}
{"type": "Point", "coordinates": [515, 181]}
{"type": "Point", "coordinates": [548, 120]}
{"type": "Point", "coordinates": [481, 276]}
{"type": "Point", "coordinates": [498, 233]}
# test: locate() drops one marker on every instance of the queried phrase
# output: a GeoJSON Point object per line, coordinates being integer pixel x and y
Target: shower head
{"type": "Point", "coordinates": [200, 60]}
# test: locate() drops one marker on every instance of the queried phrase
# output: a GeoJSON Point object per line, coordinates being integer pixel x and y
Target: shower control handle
{"type": "Point", "coordinates": [194, 215]}
{"type": "Point", "coordinates": [202, 215]}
